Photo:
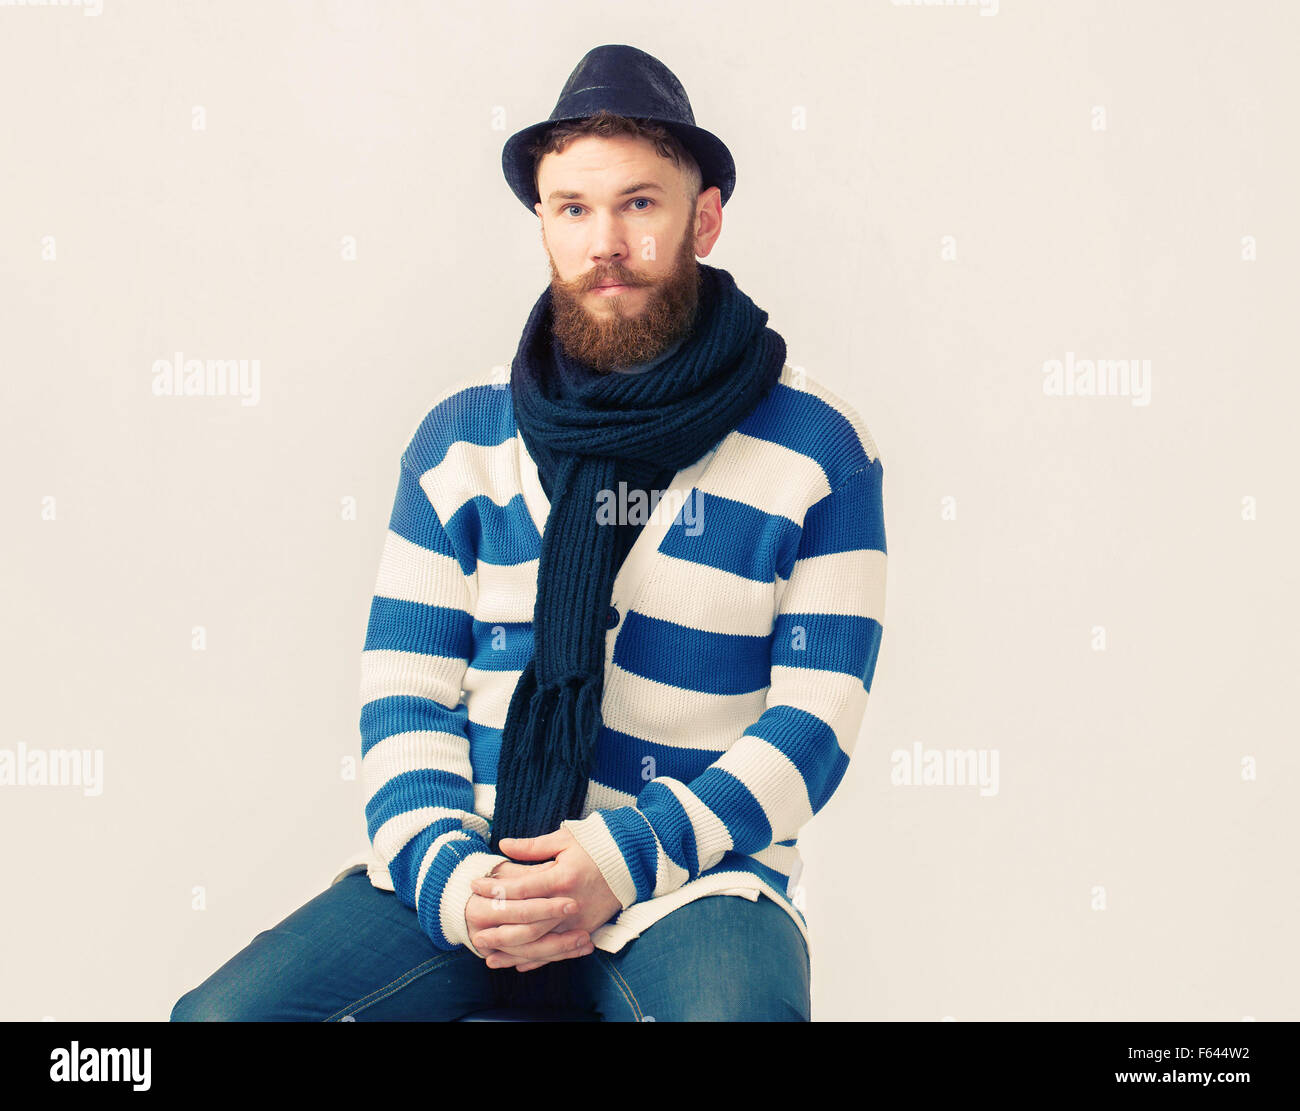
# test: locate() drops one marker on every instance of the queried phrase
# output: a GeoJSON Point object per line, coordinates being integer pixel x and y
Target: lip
{"type": "Point", "coordinates": [609, 290]}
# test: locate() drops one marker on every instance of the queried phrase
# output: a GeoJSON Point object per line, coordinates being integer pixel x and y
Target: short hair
{"type": "Point", "coordinates": [606, 124]}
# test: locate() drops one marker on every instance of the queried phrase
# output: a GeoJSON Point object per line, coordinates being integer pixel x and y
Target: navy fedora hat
{"type": "Point", "coordinates": [627, 82]}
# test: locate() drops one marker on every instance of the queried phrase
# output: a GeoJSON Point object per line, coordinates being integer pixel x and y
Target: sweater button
{"type": "Point", "coordinates": [611, 618]}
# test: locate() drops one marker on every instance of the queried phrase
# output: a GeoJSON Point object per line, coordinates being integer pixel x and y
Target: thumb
{"type": "Point", "coordinates": [533, 848]}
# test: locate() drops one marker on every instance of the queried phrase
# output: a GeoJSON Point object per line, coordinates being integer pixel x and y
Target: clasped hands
{"type": "Point", "coordinates": [526, 915]}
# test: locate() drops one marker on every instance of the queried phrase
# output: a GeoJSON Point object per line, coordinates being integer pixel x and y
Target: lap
{"type": "Point", "coordinates": [719, 958]}
{"type": "Point", "coordinates": [353, 953]}
{"type": "Point", "coordinates": [357, 953]}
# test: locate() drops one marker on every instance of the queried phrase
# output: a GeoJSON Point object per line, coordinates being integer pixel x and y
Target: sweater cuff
{"type": "Point", "coordinates": [456, 893]}
{"type": "Point", "coordinates": [594, 835]}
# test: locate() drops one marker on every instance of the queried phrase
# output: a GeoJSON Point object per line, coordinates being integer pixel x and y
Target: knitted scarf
{"type": "Point", "coordinates": [586, 433]}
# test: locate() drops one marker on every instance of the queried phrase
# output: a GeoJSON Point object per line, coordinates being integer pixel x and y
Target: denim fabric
{"type": "Point", "coordinates": [356, 953]}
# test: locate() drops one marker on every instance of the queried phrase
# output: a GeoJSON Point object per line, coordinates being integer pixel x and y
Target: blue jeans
{"type": "Point", "coordinates": [359, 952]}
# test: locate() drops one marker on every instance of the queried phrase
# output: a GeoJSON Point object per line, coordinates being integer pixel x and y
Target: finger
{"type": "Point", "coordinates": [506, 960]}
{"type": "Point", "coordinates": [483, 917]}
{"type": "Point", "coordinates": [554, 945]}
{"type": "Point", "coordinates": [512, 935]}
{"type": "Point", "coordinates": [514, 868]}
{"type": "Point", "coordinates": [538, 883]}
{"type": "Point", "coordinates": [535, 848]}
{"type": "Point", "coordinates": [500, 959]}
{"type": "Point", "coordinates": [510, 868]}
{"type": "Point", "coordinates": [486, 912]}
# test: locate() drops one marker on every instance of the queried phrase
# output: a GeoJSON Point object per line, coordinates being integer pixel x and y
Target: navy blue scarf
{"type": "Point", "coordinates": [587, 432]}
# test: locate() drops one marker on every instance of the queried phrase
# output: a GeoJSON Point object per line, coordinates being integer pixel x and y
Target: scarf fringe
{"type": "Point", "coordinates": [574, 707]}
{"type": "Point", "coordinates": [559, 731]}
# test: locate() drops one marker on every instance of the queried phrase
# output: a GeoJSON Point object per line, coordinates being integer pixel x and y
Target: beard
{"type": "Point", "coordinates": [611, 336]}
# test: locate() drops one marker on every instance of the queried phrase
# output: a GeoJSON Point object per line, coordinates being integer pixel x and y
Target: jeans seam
{"type": "Point", "coordinates": [625, 989]}
{"type": "Point", "coordinates": [394, 986]}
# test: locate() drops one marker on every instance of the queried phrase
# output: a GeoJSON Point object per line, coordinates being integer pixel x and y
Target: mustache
{"type": "Point", "coordinates": [612, 276]}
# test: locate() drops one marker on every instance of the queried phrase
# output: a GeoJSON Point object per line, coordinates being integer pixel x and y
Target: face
{"type": "Point", "coordinates": [622, 239]}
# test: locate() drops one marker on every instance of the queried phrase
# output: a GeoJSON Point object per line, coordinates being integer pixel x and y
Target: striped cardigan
{"type": "Point", "coordinates": [744, 628]}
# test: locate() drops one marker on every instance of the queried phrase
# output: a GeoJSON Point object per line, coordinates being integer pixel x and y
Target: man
{"type": "Point", "coordinates": [585, 714]}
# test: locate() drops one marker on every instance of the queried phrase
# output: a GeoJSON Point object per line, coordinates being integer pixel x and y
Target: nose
{"type": "Point", "coordinates": [609, 247]}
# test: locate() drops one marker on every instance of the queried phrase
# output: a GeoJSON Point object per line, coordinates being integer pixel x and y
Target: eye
{"type": "Point", "coordinates": [568, 208]}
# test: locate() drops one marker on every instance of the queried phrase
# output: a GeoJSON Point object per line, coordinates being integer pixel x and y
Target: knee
{"type": "Point", "coordinates": [743, 1003]}
{"type": "Point", "coordinates": [207, 1003]}
{"type": "Point", "coordinates": [754, 967]}
{"type": "Point", "coordinates": [255, 985]}
{"type": "Point", "coordinates": [192, 1007]}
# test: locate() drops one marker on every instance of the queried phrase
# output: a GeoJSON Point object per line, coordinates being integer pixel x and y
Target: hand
{"type": "Point", "coordinates": [540, 925]}
{"type": "Point", "coordinates": [570, 876]}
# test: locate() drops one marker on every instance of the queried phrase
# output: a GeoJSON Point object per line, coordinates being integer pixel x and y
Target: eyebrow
{"type": "Point", "coordinates": [570, 195]}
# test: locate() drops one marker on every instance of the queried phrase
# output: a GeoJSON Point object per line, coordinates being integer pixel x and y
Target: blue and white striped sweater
{"type": "Point", "coordinates": [745, 624]}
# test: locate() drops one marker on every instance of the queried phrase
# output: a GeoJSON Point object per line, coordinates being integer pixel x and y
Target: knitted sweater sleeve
{"type": "Point", "coordinates": [416, 769]}
{"type": "Point", "coordinates": [787, 764]}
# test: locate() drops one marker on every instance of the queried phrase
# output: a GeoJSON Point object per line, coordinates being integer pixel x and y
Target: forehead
{"type": "Point", "coordinates": [593, 157]}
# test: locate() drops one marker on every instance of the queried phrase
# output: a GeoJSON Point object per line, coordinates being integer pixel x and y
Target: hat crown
{"type": "Point", "coordinates": [640, 83]}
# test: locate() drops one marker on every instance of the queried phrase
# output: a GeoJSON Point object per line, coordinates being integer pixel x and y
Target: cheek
{"type": "Point", "coordinates": [654, 248]}
{"type": "Point", "coordinates": [565, 248]}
